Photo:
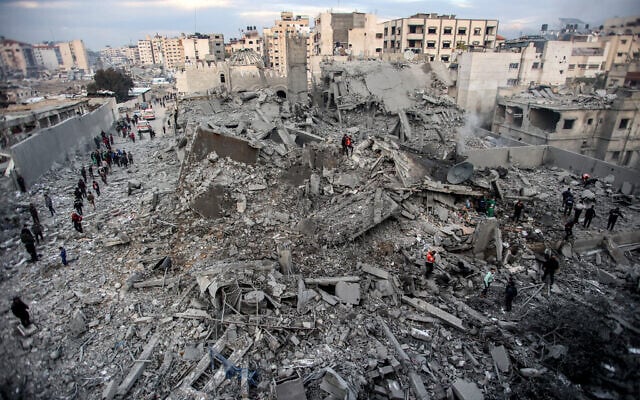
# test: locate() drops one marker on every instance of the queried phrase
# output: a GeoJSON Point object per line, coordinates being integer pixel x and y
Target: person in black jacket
{"type": "Point", "coordinates": [550, 266]}
{"type": "Point", "coordinates": [510, 293]}
{"type": "Point", "coordinates": [29, 243]}
{"type": "Point", "coordinates": [588, 216]}
{"type": "Point", "coordinates": [19, 309]}
{"type": "Point", "coordinates": [613, 217]}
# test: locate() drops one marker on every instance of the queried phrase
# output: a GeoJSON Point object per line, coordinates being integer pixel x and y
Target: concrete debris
{"type": "Point", "coordinates": [246, 240]}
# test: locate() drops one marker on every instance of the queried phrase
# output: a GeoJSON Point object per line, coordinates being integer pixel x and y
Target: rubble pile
{"type": "Point", "coordinates": [271, 266]}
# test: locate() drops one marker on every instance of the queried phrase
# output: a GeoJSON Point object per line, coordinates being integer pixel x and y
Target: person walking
{"type": "Point", "coordinates": [588, 215]}
{"type": "Point", "coordinates": [613, 217]}
{"type": "Point", "coordinates": [77, 204]}
{"type": "Point", "coordinates": [83, 173]}
{"type": "Point", "coordinates": [517, 210]}
{"type": "Point", "coordinates": [568, 229]}
{"type": "Point", "coordinates": [568, 205]}
{"type": "Point", "coordinates": [510, 293]}
{"type": "Point", "coordinates": [488, 278]}
{"type": "Point", "coordinates": [91, 199]}
{"type": "Point", "coordinates": [130, 158]}
{"type": "Point", "coordinates": [125, 159]}
{"type": "Point", "coordinates": [49, 203]}
{"type": "Point", "coordinates": [29, 243]}
{"type": "Point", "coordinates": [34, 213]}
{"type": "Point", "coordinates": [91, 171]}
{"type": "Point", "coordinates": [549, 267]}
{"type": "Point", "coordinates": [96, 187]}
{"type": "Point", "coordinates": [565, 195]}
{"type": "Point", "coordinates": [37, 233]}
{"type": "Point", "coordinates": [77, 221]}
{"type": "Point", "coordinates": [83, 187]}
{"type": "Point", "coordinates": [19, 309]}
{"type": "Point", "coordinates": [63, 256]}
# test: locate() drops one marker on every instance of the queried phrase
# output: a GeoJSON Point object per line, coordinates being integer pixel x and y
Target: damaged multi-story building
{"type": "Point", "coordinates": [604, 126]}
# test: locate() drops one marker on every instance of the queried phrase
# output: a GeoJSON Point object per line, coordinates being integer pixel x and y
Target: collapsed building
{"type": "Point", "coordinates": [250, 258]}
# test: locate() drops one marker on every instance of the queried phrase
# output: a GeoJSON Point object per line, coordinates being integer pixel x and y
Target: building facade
{"type": "Point", "coordinates": [438, 36]}
{"type": "Point", "coordinates": [203, 47]}
{"type": "Point", "coordinates": [73, 55]}
{"type": "Point", "coordinates": [173, 52]}
{"type": "Point", "coordinates": [600, 127]}
{"type": "Point", "coordinates": [47, 56]}
{"type": "Point", "coordinates": [275, 38]}
{"type": "Point", "coordinates": [347, 34]}
{"type": "Point", "coordinates": [150, 50]}
{"type": "Point", "coordinates": [17, 60]}
{"type": "Point", "coordinates": [250, 40]}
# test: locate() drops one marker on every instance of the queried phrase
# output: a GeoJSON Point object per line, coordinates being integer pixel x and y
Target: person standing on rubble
{"type": "Point", "coordinates": [29, 243]}
{"type": "Point", "coordinates": [549, 267]}
{"type": "Point", "coordinates": [63, 256]}
{"type": "Point", "coordinates": [37, 232]}
{"type": "Point", "coordinates": [83, 187]}
{"type": "Point", "coordinates": [565, 195]}
{"type": "Point", "coordinates": [491, 208]}
{"type": "Point", "coordinates": [568, 205]}
{"type": "Point", "coordinates": [488, 278]}
{"type": "Point", "coordinates": [96, 187]}
{"type": "Point", "coordinates": [430, 262]}
{"type": "Point", "coordinates": [613, 217]}
{"type": "Point", "coordinates": [517, 211]}
{"type": "Point", "coordinates": [49, 203]}
{"type": "Point", "coordinates": [568, 229]}
{"type": "Point", "coordinates": [77, 221]}
{"type": "Point", "coordinates": [77, 204]}
{"type": "Point", "coordinates": [34, 213]}
{"type": "Point", "coordinates": [588, 215]}
{"type": "Point", "coordinates": [83, 173]}
{"type": "Point", "coordinates": [510, 293]}
{"type": "Point", "coordinates": [19, 309]}
{"type": "Point", "coordinates": [21, 184]}
{"type": "Point", "coordinates": [91, 199]}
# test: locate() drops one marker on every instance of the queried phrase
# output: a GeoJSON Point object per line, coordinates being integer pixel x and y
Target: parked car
{"type": "Point", "coordinates": [143, 126]}
{"type": "Point", "coordinates": [149, 114]}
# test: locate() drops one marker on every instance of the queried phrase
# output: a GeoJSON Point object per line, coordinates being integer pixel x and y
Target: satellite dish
{"type": "Point", "coordinates": [460, 173]}
{"type": "Point", "coordinates": [409, 55]}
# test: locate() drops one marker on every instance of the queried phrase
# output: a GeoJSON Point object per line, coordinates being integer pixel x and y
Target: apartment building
{"type": "Point", "coordinates": [275, 38]}
{"type": "Point", "coordinates": [150, 50]}
{"type": "Point", "coordinates": [200, 47]}
{"type": "Point", "coordinates": [17, 60]}
{"type": "Point", "coordinates": [173, 52]}
{"type": "Point", "coordinates": [347, 34]}
{"type": "Point", "coordinates": [438, 36]}
{"type": "Point", "coordinates": [250, 40]}
{"type": "Point", "coordinates": [132, 54]}
{"type": "Point", "coordinates": [47, 56]}
{"type": "Point", "coordinates": [73, 55]}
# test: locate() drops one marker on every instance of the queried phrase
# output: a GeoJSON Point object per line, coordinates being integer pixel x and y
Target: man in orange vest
{"type": "Point", "coordinates": [347, 144]}
{"type": "Point", "coordinates": [430, 262]}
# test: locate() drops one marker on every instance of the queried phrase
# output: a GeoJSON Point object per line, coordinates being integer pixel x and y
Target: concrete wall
{"type": "Point", "coordinates": [535, 156]}
{"type": "Point", "coordinates": [202, 78]}
{"type": "Point", "coordinates": [35, 155]}
{"type": "Point", "coordinates": [297, 87]}
{"type": "Point", "coordinates": [206, 141]}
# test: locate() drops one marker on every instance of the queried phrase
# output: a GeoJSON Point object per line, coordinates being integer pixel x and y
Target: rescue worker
{"type": "Point", "coordinates": [491, 208]}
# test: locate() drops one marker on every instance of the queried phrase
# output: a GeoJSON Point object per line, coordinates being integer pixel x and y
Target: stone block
{"type": "Point", "coordinates": [291, 390]}
{"type": "Point", "coordinates": [466, 390]}
{"type": "Point", "coordinates": [348, 292]}
{"type": "Point", "coordinates": [501, 358]}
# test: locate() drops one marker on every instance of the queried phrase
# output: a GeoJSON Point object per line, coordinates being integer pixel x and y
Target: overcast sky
{"type": "Point", "coordinates": [120, 22]}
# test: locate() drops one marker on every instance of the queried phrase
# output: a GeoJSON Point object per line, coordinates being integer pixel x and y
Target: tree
{"type": "Point", "coordinates": [113, 80]}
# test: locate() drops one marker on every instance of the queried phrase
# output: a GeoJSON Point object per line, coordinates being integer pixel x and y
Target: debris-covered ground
{"type": "Point", "coordinates": [297, 272]}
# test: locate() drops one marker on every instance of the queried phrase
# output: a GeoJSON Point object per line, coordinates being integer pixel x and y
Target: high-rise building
{"type": "Point", "coordinates": [47, 56]}
{"type": "Point", "coordinates": [17, 59]}
{"type": "Point", "coordinates": [275, 38]}
{"type": "Point", "coordinates": [355, 34]}
{"type": "Point", "coordinates": [438, 36]}
{"type": "Point", "coordinates": [173, 52]}
{"type": "Point", "coordinates": [73, 55]}
{"type": "Point", "coordinates": [132, 54]}
{"type": "Point", "coordinates": [150, 50]}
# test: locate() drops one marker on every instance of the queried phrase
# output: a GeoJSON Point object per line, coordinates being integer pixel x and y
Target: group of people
{"type": "Point", "coordinates": [568, 204]}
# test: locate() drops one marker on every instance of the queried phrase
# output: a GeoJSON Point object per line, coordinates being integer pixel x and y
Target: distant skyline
{"type": "Point", "coordinates": [122, 22]}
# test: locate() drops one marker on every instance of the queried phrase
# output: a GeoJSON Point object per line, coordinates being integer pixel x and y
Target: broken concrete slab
{"type": "Point", "coordinates": [291, 390]}
{"type": "Point", "coordinates": [335, 385]}
{"type": "Point", "coordinates": [501, 358]}
{"type": "Point", "coordinates": [423, 306]}
{"type": "Point", "coordinates": [138, 366]}
{"type": "Point", "coordinates": [348, 292]}
{"type": "Point", "coordinates": [465, 390]}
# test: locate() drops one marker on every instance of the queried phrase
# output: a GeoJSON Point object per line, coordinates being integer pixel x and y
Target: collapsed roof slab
{"type": "Point", "coordinates": [207, 141]}
{"type": "Point", "coordinates": [349, 218]}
